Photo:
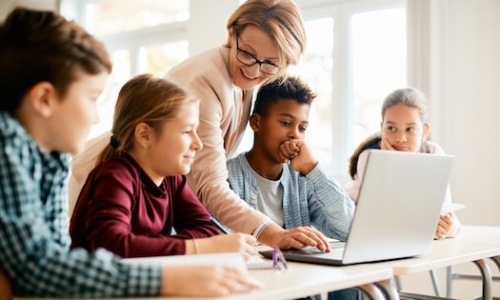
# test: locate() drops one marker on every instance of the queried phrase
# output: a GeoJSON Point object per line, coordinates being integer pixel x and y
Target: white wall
{"type": "Point", "coordinates": [203, 34]}
{"type": "Point", "coordinates": [463, 70]}
{"type": "Point", "coordinates": [466, 54]}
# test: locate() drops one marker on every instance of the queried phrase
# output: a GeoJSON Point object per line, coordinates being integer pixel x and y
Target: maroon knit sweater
{"type": "Point", "coordinates": [121, 209]}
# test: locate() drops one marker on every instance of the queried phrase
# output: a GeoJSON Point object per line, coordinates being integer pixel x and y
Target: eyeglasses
{"type": "Point", "coordinates": [248, 59]}
{"type": "Point", "coordinates": [279, 261]}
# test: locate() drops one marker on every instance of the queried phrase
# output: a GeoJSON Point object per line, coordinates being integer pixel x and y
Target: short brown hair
{"type": "Point", "coordinates": [38, 46]}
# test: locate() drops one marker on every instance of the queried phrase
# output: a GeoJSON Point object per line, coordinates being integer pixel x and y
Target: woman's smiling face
{"type": "Point", "coordinates": [252, 41]}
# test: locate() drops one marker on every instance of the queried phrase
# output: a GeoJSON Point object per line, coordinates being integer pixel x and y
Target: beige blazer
{"type": "Point", "coordinates": [224, 113]}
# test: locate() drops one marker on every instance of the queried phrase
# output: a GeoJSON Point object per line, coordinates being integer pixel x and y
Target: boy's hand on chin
{"type": "Point", "coordinates": [305, 161]}
{"type": "Point", "coordinates": [289, 150]}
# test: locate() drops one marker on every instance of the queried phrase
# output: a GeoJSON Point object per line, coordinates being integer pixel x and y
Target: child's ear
{"type": "Point", "coordinates": [143, 134]}
{"type": "Point", "coordinates": [42, 97]}
{"type": "Point", "coordinates": [254, 122]}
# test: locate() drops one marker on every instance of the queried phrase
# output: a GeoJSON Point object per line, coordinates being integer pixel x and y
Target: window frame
{"type": "Point", "coordinates": [343, 120]}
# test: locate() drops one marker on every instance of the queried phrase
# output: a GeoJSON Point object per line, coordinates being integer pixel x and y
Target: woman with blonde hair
{"type": "Point", "coordinates": [264, 38]}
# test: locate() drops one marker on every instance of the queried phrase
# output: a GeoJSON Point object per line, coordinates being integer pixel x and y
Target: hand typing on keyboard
{"type": "Point", "coordinates": [311, 249]}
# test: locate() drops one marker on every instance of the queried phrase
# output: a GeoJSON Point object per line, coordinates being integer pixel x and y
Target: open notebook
{"type": "Point", "coordinates": [397, 211]}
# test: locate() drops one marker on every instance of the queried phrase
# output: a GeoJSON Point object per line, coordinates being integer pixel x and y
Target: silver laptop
{"type": "Point", "coordinates": [397, 210]}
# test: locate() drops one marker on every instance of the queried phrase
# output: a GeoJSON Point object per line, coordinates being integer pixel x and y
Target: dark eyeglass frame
{"type": "Point", "coordinates": [279, 261]}
{"type": "Point", "coordinates": [274, 68]}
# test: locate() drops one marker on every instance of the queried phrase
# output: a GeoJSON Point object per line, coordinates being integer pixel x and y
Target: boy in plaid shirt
{"type": "Point", "coordinates": [51, 76]}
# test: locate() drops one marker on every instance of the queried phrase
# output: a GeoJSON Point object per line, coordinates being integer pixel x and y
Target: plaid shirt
{"type": "Point", "coordinates": [34, 241]}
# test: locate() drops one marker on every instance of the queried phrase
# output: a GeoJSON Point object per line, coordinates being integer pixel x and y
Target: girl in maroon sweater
{"type": "Point", "coordinates": [137, 193]}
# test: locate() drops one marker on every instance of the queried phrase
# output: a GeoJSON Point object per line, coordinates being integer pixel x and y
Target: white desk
{"type": "Point", "coordinates": [445, 253]}
{"type": "Point", "coordinates": [485, 235]}
{"type": "Point", "coordinates": [301, 280]}
{"type": "Point", "coordinates": [482, 235]}
{"type": "Point", "coordinates": [449, 252]}
{"type": "Point", "coordinates": [305, 279]}
{"type": "Point", "coordinates": [308, 279]}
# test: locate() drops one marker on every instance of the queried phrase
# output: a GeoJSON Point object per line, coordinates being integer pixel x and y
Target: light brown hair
{"type": "Point", "coordinates": [143, 99]}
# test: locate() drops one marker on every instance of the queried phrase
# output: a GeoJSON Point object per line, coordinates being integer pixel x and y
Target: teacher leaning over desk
{"type": "Point", "coordinates": [264, 38]}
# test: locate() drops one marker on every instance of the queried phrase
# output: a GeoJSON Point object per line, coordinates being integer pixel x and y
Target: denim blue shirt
{"type": "Point", "coordinates": [312, 200]}
{"type": "Point", "coordinates": [34, 240]}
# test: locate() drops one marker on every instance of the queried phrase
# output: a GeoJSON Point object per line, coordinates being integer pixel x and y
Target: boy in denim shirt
{"type": "Point", "coordinates": [280, 176]}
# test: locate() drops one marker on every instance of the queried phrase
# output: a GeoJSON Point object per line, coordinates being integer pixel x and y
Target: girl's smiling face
{"type": "Point", "coordinates": [172, 148]}
{"type": "Point", "coordinates": [403, 129]}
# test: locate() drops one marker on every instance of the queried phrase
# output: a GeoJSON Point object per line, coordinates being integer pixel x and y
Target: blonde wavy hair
{"type": "Point", "coordinates": [281, 20]}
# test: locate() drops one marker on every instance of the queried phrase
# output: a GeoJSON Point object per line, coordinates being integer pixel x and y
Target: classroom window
{"type": "Point", "coordinates": [116, 16]}
{"type": "Point", "coordinates": [356, 54]}
{"type": "Point", "coordinates": [143, 36]}
{"type": "Point", "coordinates": [106, 103]}
{"type": "Point", "coordinates": [379, 65]}
{"type": "Point", "coordinates": [158, 58]}
{"type": "Point", "coordinates": [316, 69]}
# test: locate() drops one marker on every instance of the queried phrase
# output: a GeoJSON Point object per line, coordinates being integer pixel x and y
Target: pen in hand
{"type": "Point", "coordinates": [219, 225]}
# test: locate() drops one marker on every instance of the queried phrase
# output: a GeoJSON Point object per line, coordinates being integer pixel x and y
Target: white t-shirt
{"type": "Point", "coordinates": [270, 198]}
